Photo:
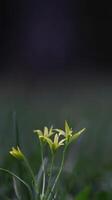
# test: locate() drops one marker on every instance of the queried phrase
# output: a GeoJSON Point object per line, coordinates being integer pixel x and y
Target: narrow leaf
{"type": "Point", "coordinates": [18, 178]}
{"type": "Point", "coordinates": [16, 188]}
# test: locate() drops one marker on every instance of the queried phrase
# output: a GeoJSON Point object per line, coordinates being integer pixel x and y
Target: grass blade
{"type": "Point", "coordinates": [18, 178]}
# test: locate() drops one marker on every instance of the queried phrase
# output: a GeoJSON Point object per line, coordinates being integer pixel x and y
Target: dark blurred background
{"type": "Point", "coordinates": [38, 37]}
{"type": "Point", "coordinates": [55, 64]}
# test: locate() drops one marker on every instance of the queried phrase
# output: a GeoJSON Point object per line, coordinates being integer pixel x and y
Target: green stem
{"type": "Point", "coordinates": [32, 174]}
{"type": "Point", "coordinates": [43, 168]}
{"type": "Point", "coordinates": [58, 175]}
{"type": "Point", "coordinates": [50, 175]}
{"type": "Point", "coordinates": [29, 168]}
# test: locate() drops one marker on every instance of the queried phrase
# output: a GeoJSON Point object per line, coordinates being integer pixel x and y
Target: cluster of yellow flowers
{"type": "Point", "coordinates": [55, 138]}
{"type": "Point", "coordinates": [61, 137]}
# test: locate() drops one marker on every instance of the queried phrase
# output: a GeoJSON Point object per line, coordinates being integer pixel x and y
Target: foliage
{"type": "Point", "coordinates": [43, 185]}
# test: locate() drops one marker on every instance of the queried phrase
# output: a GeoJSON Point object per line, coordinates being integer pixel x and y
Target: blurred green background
{"type": "Point", "coordinates": [49, 102]}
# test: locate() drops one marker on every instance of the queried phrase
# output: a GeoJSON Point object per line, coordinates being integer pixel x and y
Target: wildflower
{"type": "Point", "coordinates": [47, 133]}
{"type": "Point", "coordinates": [56, 143]}
{"type": "Point", "coordinates": [17, 153]}
{"type": "Point", "coordinates": [69, 134]}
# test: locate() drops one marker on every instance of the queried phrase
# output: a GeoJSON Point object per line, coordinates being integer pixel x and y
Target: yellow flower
{"type": "Point", "coordinates": [45, 134]}
{"type": "Point", "coordinates": [56, 143]}
{"type": "Point", "coordinates": [17, 153]}
{"type": "Point", "coordinates": [69, 134]}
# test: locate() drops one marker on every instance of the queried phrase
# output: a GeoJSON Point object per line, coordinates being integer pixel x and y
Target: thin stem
{"type": "Point", "coordinates": [58, 175]}
{"type": "Point", "coordinates": [43, 168]}
{"type": "Point", "coordinates": [50, 175]}
{"type": "Point", "coordinates": [43, 187]}
{"type": "Point", "coordinates": [55, 196]}
{"type": "Point", "coordinates": [32, 175]}
{"type": "Point", "coordinates": [29, 168]}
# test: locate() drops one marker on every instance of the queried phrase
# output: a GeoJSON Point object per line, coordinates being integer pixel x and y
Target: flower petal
{"type": "Point", "coordinates": [56, 138]}
{"type": "Point", "coordinates": [76, 135]}
{"type": "Point", "coordinates": [60, 131]}
{"type": "Point", "coordinates": [67, 129]}
{"type": "Point", "coordinates": [17, 153]}
{"type": "Point", "coordinates": [46, 131]}
{"type": "Point", "coordinates": [62, 142]}
{"type": "Point", "coordinates": [51, 131]}
{"type": "Point", "coordinates": [49, 141]}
